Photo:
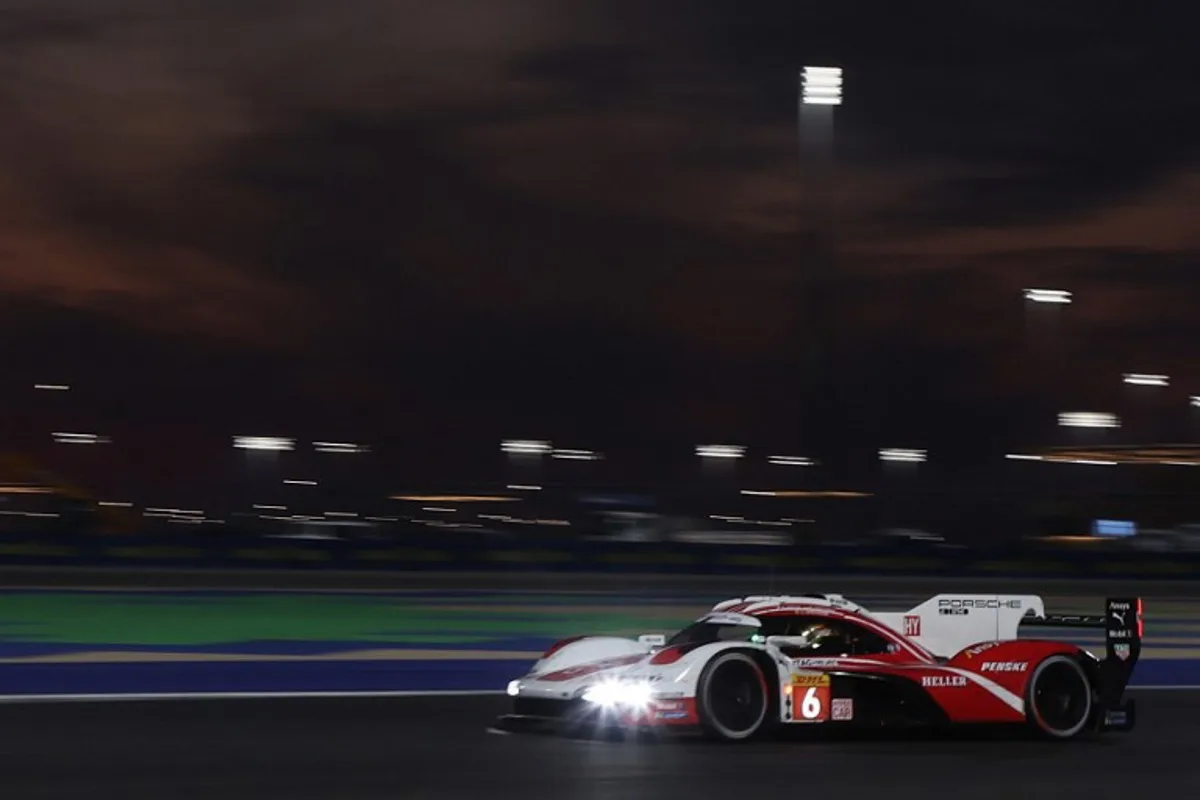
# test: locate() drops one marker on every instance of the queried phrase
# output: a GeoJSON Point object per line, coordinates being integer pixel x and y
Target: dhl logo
{"type": "Point", "coordinates": [810, 680]}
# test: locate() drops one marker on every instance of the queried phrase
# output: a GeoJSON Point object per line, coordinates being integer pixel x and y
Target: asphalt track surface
{"type": "Point", "coordinates": [440, 749]}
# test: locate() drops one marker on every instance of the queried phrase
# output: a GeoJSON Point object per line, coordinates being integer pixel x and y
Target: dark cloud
{"type": "Point", "coordinates": [589, 213]}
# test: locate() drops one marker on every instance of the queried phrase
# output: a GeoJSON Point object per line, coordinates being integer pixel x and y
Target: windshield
{"type": "Point", "coordinates": [705, 632]}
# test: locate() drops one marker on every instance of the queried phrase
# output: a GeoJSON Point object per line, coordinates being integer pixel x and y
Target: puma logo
{"type": "Point", "coordinates": [1119, 616]}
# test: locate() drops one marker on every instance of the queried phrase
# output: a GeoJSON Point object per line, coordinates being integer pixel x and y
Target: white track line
{"type": "Point", "coordinates": [118, 698]}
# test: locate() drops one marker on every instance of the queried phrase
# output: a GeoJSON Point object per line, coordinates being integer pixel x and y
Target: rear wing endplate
{"type": "Point", "coordinates": [1124, 630]}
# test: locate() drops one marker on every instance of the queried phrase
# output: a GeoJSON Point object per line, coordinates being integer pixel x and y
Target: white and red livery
{"type": "Point", "coordinates": [755, 664]}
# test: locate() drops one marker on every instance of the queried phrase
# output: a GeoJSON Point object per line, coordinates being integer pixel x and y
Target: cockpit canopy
{"type": "Point", "coordinates": [808, 635]}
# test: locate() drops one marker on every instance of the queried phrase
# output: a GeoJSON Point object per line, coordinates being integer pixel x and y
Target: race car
{"type": "Point", "coordinates": [753, 665]}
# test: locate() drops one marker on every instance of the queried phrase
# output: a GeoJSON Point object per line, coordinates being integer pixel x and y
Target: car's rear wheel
{"type": "Point", "coordinates": [1059, 697]}
{"type": "Point", "coordinates": [733, 697]}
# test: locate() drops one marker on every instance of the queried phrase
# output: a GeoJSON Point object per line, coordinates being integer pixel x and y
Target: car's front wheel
{"type": "Point", "coordinates": [733, 697]}
{"type": "Point", "coordinates": [1059, 697]}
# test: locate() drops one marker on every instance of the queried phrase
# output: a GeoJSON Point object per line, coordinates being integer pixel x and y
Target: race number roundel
{"type": "Point", "coordinates": [810, 698]}
{"type": "Point", "coordinates": [812, 707]}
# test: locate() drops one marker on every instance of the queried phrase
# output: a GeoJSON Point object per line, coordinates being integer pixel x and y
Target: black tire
{"type": "Point", "coordinates": [1059, 698]}
{"type": "Point", "coordinates": [733, 697]}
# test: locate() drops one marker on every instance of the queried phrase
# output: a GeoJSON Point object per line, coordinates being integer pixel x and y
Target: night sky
{"type": "Point", "coordinates": [434, 224]}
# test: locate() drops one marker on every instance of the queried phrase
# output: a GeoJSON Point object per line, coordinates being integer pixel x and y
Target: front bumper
{"type": "Point", "coordinates": [576, 715]}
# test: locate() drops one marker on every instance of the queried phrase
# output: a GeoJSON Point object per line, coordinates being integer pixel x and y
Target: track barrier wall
{"type": "Point", "coordinates": [476, 555]}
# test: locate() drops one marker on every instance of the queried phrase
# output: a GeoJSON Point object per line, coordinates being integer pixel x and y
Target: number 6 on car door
{"type": "Point", "coordinates": [809, 699]}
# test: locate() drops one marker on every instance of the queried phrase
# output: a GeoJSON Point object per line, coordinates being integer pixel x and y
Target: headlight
{"type": "Point", "coordinates": [514, 688]}
{"type": "Point", "coordinates": [626, 694]}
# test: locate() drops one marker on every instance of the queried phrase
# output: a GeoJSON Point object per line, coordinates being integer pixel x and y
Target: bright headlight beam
{"type": "Point", "coordinates": [610, 694]}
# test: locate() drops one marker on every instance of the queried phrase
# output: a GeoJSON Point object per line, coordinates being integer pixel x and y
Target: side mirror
{"type": "Point", "coordinates": [652, 639]}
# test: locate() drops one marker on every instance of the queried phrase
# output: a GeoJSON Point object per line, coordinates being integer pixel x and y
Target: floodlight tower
{"type": "Point", "coordinates": [820, 96]}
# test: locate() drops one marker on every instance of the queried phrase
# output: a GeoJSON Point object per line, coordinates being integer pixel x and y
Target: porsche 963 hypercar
{"type": "Point", "coordinates": [756, 664]}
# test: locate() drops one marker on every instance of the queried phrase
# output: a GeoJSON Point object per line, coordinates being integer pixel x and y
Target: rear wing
{"type": "Point", "coordinates": [1124, 629]}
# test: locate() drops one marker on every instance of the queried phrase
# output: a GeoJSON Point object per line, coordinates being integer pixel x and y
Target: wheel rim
{"type": "Point", "coordinates": [1061, 697]}
{"type": "Point", "coordinates": [736, 697]}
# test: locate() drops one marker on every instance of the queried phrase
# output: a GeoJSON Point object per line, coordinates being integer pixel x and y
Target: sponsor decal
{"type": "Point", "coordinates": [841, 709]}
{"type": "Point", "coordinates": [1120, 634]}
{"type": "Point", "coordinates": [971, 652]}
{"type": "Point", "coordinates": [815, 662]}
{"type": "Point", "coordinates": [942, 681]}
{"type": "Point", "coordinates": [1004, 666]}
{"type": "Point", "coordinates": [671, 715]}
{"type": "Point", "coordinates": [981, 602]}
{"type": "Point", "coordinates": [810, 680]}
{"type": "Point", "coordinates": [669, 705]}
{"type": "Point", "coordinates": [912, 625]}
{"type": "Point", "coordinates": [1121, 651]}
{"type": "Point", "coordinates": [954, 612]}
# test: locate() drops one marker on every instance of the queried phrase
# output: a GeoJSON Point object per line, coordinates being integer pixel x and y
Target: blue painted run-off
{"type": "Point", "coordinates": [346, 676]}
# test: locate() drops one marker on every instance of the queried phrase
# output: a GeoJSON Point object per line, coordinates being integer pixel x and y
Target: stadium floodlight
{"type": "Point", "coordinates": [790, 461]}
{"type": "Point", "coordinates": [899, 454]}
{"type": "Point", "coordinates": [1088, 419]}
{"type": "Point", "coordinates": [525, 446]}
{"type": "Point", "coordinates": [821, 86]}
{"type": "Point", "coordinates": [1048, 296]}
{"type": "Point", "coordinates": [339, 447]}
{"type": "Point", "coordinates": [1145, 379]}
{"type": "Point", "coordinates": [269, 443]}
{"type": "Point", "coordinates": [720, 451]}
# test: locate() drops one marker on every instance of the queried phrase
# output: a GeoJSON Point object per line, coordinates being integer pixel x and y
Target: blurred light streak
{"type": "Point", "coordinates": [1088, 419]}
{"type": "Point", "coordinates": [453, 498]}
{"type": "Point", "coordinates": [720, 451]}
{"type": "Point", "coordinates": [1145, 379]}
{"type": "Point", "coordinates": [79, 438]}
{"type": "Point", "coordinates": [273, 443]}
{"type": "Point", "coordinates": [575, 455]}
{"type": "Point", "coordinates": [1048, 296]}
{"type": "Point", "coordinates": [525, 446]}
{"type": "Point", "coordinates": [791, 461]}
{"type": "Point", "coordinates": [340, 447]}
{"type": "Point", "coordinates": [899, 454]}
{"type": "Point", "coordinates": [802, 493]}
{"type": "Point", "coordinates": [52, 387]}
